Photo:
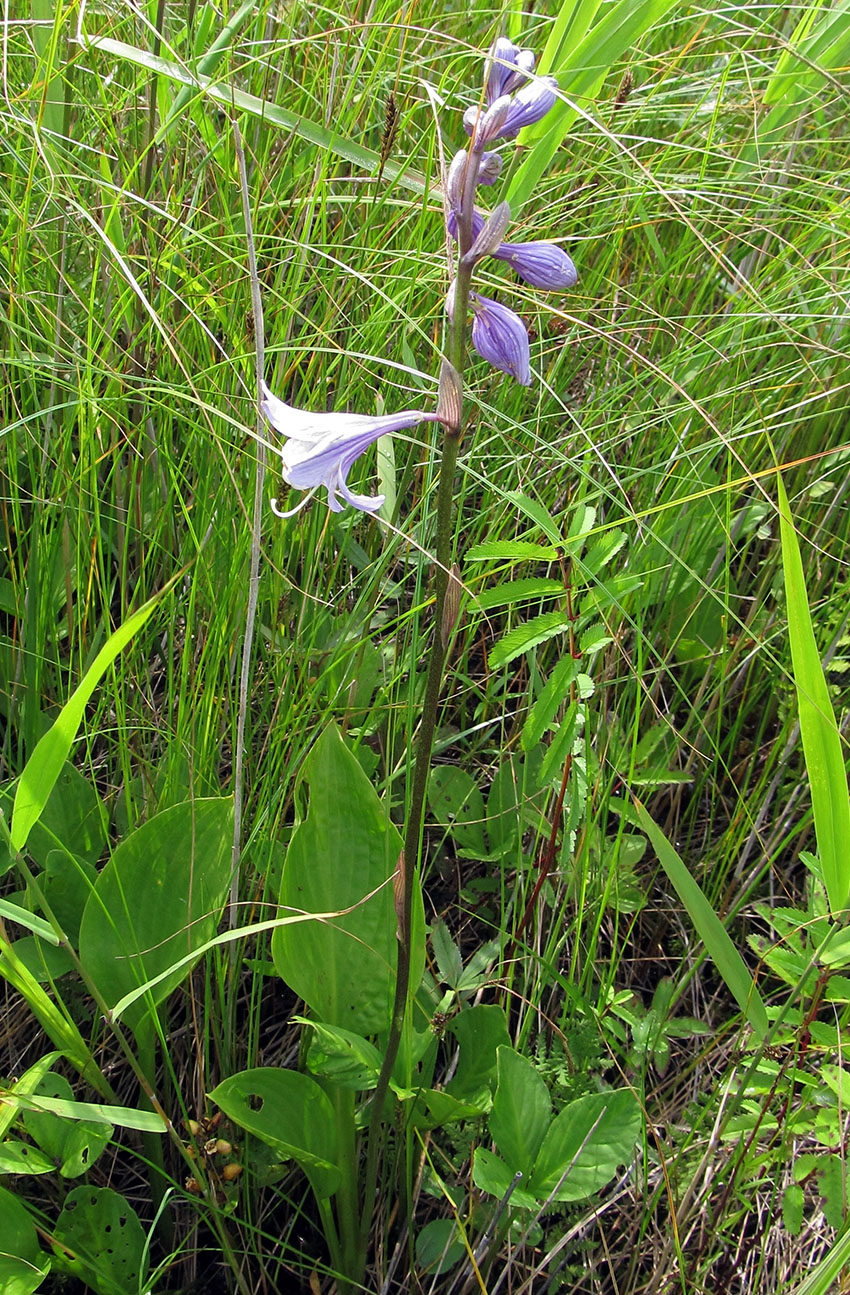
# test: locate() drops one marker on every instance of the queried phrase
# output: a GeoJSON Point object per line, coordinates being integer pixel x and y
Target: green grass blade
{"type": "Point", "coordinates": [708, 926]}
{"type": "Point", "coordinates": [364, 158]}
{"type": "Point", "coordinates": [208, 64]}
{"type": "Point", "coordinates": [581, 71]}
{"type": "Point", "coordinates": [45, 764]}
{"type": "Point", "coordinates": [822, 748]}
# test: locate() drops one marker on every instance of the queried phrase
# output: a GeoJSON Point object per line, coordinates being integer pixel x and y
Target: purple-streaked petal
{"type": "Point", "coordinates": [500, 337]}
{"type": "Point", "coordinates": [529, 104]}
{"type": "Point", "coordinates": [319, 449]}
{"type": "Point", "coordinates": [457, 179]}
{"type": "Point", "coordinates": [507, 68]}
{"type": "Point", "coordinates": [525, 61]}
{"type": "Point", "coordinates": [543, 265]}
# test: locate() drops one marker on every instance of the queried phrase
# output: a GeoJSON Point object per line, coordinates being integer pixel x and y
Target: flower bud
{"type": "Point", "coordinates": [543, 265]}
{"type": "Point", "coordinates": [486, 126]}
{"type": "Point", "coordinates": [530, 104]}
{"type": "Point", "coordinates": [490, 168]}
{"type": "Point", "coordinates": [500, 337]}
{"type": "Point", "coordinates": [456, 179]}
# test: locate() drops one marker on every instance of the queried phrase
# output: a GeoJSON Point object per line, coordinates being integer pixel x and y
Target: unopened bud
{"type": "Point", "coordinates": [490, 168]}
{"type": "Point", "coordinates": [231, 1172]}
{"type": "Point", "coordinates": [450, 398]}
{"type": "Point", "coordinates": [451, 606]}
{"type": "Point", "coordinates": [457, 179]}
{"type": "Point", "coordinates": [223, 1147]}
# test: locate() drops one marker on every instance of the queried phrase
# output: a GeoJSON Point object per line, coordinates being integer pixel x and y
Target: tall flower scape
{"type": "Point", "coordinates": [319, 448]}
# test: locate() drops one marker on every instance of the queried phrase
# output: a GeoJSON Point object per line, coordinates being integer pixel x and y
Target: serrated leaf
{"type": "Point", "coordinates": [511, 551]}
{"type": "Point", "coordinates": [537, 513]}
{"type": "Point", "coordinates": [594, 639]}
{"type": "Point", "coordinates": [554, 694]}
{"type": "Point", "coordinates": [602, 551]}
{"type": "Point", "coordinates": [449, 961]}
{"type": "Point", "coordinates": [517, 591]}
{"type": "Point", "coordinates": [527, 636]}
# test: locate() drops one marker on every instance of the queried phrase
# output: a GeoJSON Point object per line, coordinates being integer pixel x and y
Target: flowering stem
{"type": "Point", "coordinates": [431, 701]}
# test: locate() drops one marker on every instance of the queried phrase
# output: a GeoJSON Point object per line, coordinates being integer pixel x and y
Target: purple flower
{"type": "Point", "coordinates": [319, 449]}
{"type": "Point", "coordinates": [500, 337]}
{"type": "Point", "coordinates": [543, 265]}
{"type": "Point", "coordinates": [507, 68]}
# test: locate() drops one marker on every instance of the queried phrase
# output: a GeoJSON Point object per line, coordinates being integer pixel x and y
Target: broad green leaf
{"type": "Point", "coordinates": [457, 804]}
{"type": "Point", "coordinates": [822, 746]}
{"type": "Point", "coordinates": [492, 1175]}
{"type": "Point", "coordinates": [527, 636]}
{"type": "Point", "coordinates": [157, 901]}
{"type": "Point", "coordinates": [365, 159]}
{"type": "Point", "coordinates": [480, 1032]}
{"type": "Point", "coordinates": [101, 1241]}
{"type": "Point", "coordinates": [587, 1142]}
{"type": "Point", "coordinates": [581, 70]}
{"type": "Point", "coordinates": [439, 1246]}
{"type": "Point", "coordinates": [23, 1263]}
{"type": "Point", "coordinates": [342, 858]}
{"type": "Point", "coordinates": [522, 1111]}
{"type": "Point", "coordinates": [23, 1158]}
{"type": "Point", "coordinates": [291, 1114]}
{"type": "Point", "coordinates": [449, 961]}
{"type": "Point", "coordinates": [73, 820]}
{"type": "Point", "coordinates": [709, 928]}
{"type": "Point", "coordinates": [45, 764]}
{"type": "Point", "coordinates": [347, 1059]}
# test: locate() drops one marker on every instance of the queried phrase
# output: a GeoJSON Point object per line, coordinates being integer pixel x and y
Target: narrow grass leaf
{"type": "Point", "coordinates": [45, 763]}
{"type": "Point", "coordinates": [364, 158]}
{"type": "Point", "coordinates": [709, 927]}
{"type": "Point", "coordinates": [581, 70]}
{"type": "Point", "coordinates": [127, 1117]}
{"type": "Point", "coordinates": [822, 747]}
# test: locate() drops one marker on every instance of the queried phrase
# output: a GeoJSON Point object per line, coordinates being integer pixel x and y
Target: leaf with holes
{"type": "Point", "coordinates": [291, 1114]}
{"type": "Point", "coordinates": [341, 860]}
{"type": "Point", "coordinates": [101, 1241]}
{"type": "Point", "coordinates": [72, 1145]}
